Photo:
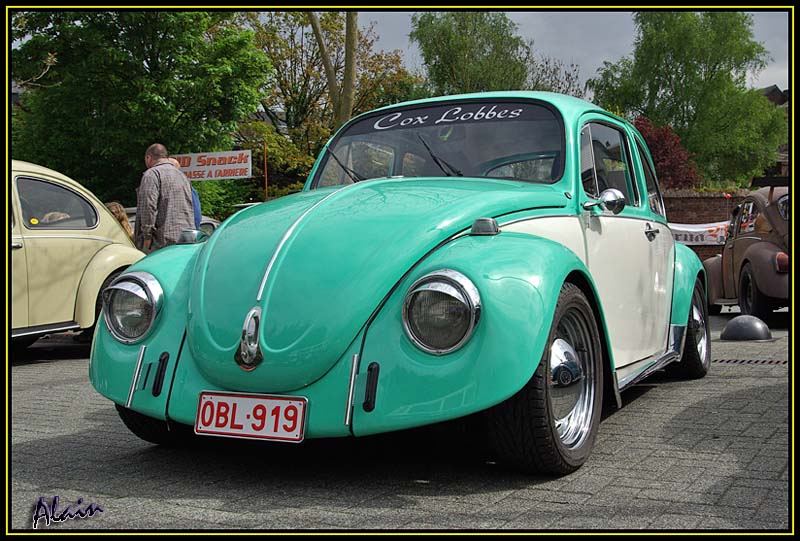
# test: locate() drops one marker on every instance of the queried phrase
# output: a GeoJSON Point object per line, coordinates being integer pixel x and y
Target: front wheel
{"type": "Point", "coordinates": [696, 356]}
{"type": "Point", "coordinates": [154, 430]}
{"type": "Point", "coordinates": [550, 425]}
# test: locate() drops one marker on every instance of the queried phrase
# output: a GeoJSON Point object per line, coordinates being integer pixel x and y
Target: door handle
{"type": "Point", "coordinates": [650, 232]}
{"type": "Point", "coordinates": [16, 245]}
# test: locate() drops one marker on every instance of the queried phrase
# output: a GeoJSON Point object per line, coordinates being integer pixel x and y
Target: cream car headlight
{"type": "Point", "coordinates": [130, 306]}
{"type": "Point", "coordinates": [440, 311]}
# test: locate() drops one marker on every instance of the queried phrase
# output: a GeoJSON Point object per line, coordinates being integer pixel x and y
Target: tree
{"type": "Point", "coordinates": [297, 103]}
{"type": "Point", "coordinates": [480, 51]}
{"type": "Point", "coordinates": [341, 95]}
{"type": "Point", "coordinates": [674, 166]}
{"type": "Point", "coordinates": [126, 79]}
{"type": "Point", "coordinates": [688, 71]}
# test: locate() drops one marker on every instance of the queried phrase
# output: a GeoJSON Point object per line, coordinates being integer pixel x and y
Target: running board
{"type": "Point", "coordinates": [677, 335]}
{"type": "Point", "coordinates": [45, 329]}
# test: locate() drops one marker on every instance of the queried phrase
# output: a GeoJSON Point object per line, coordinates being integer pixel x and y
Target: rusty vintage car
{"type": "Point", "coordinates": [753, 269]}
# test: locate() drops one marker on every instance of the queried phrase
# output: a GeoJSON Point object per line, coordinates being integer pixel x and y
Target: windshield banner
{"type": "Point", "coordinates": [698, 234]}
{"type": "Point", "coordinates": [451, 114]}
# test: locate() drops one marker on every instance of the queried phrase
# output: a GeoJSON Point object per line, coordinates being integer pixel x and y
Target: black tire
{"type": "Point", "coordinates": [696, 356]}
{"type": "Point", "coordinates": [88, 333]}
{"type": "Point", "coordinates": [528, 431]}
{"type": "Point", "coordinates": [155, 430]}
{"type": "Point", "coordinates": [751, 301]}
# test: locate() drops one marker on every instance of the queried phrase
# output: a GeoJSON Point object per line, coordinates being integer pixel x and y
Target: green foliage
{"type": "Point", "coordinates": [125, 79]}
{"type": "Point", "coordinates": [688, 71]}
{"type": "Point", "coordinates": [275, 191]}
{"type": "Point", "coordinates": [480, 51]}
{"type": "Point", "coordinates": [217, 197]}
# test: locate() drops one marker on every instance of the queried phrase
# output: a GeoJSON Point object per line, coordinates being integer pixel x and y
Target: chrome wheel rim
{"type": "Point", "coordinates": [699, 328]}
{"type": "Point", "coordinates": [571, 392]}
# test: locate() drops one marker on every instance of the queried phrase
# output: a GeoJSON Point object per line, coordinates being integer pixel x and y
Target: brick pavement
{"type": "Point", "coordinates": [707, 454]}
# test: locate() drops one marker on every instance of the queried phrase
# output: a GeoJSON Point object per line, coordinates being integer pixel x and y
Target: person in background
{"type": "Point", "coordinates": [198, 215]}
{"type": "Point", "coordinates": [164, 202]}
{"type": "Point", "coordinates": [119, 213]}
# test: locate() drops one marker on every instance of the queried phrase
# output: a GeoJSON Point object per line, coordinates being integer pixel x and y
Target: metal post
{"type": "Point", "coordinates": [266, 192]}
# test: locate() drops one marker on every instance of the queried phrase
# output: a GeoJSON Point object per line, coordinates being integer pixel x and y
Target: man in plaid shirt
{"type": "Point", "coordinates": [164, 202]}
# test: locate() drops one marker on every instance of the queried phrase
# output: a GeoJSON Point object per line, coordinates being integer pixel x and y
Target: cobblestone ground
{"type": "Point", "coordinates": [705, 454]}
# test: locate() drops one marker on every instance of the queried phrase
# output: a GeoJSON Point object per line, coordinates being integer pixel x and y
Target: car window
{"type": "Point", "coordinates": [587, 164]}
{"type": "Point", "coordinates": [747, 221]}
{"type": "Point", "coordinates": [611, 161]}
{"type": "Point", "coordinates": [653, 194]}
{"type": "Point", "coordinates": [536, 168]}
{"type": "Point", "coordinates": [783, 207]}
{"type": "Point", "coordinates": [731, 230]}
{"type": "Point", "coordinates": [45, 205]}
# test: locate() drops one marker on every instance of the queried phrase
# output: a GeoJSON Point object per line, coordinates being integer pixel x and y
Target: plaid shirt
{"type": "Point", "coordinates": [163, 206]}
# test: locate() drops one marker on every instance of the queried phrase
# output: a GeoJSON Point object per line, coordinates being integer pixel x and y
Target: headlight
{"type": "Point", "coordinates": [440, 311]}
{"type": "Point", "coordinates": [130, 306]}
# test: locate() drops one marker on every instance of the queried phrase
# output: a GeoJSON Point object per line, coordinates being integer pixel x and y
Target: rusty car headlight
{"type": "Point", "coordinates": [440, 311]}
{"type": "Point", "coordinates": [130, 306]}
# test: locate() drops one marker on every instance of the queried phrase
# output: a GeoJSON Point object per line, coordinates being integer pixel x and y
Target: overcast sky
{"type": "Point", "coordinates": [588, 38]}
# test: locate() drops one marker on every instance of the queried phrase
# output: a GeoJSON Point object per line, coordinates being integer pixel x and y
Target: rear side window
{"type": "Point", "coordinates": [653, 195]}
{"type": "Point", "coordinates": [747, 221]}
{"type": "Point", "coordinates": [45, 205]}
{"type": "Point", "coordinates": [783, 207]}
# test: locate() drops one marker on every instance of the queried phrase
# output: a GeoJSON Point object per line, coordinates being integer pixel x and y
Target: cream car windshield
{"type": "Point", "coordinates": [485, 139]}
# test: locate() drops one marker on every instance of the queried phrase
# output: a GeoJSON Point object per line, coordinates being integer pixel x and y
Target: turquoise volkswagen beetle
{"type": "Point", "coordinates": [504, 253]}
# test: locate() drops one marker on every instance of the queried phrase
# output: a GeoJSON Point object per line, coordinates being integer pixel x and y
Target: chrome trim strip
{"type": "Point", "coordinates": [44, 330]}
{"type": "Point", "coordinates": [348, 412]}
{"type": "Point", "coordinates": [289, 234]}
{"type": "Point", "coordinates": [674, 351]}
{"type": "Point", "coordinates": [78, 237]}
{"type": "Point", "coordinates": [136, 372]}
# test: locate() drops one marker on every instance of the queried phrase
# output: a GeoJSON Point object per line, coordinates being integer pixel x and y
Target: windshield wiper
{"type": "Point", "coordinates": [352, 174]}
{"type": "Point", "coordinates": [439, 161]}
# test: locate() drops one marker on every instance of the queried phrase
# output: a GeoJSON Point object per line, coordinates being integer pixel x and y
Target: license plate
{"type": "Point", "coordinates": [252, 416]}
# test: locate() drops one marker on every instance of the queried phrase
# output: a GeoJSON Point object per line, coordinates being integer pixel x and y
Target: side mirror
{"type": "Point", "coordinates": [611, 199]}
{"type": "Point", "coordinates": [192, 236]}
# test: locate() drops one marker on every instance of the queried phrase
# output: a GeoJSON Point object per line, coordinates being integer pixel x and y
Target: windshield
{"type": "Point", "coordinates": [517, 140]}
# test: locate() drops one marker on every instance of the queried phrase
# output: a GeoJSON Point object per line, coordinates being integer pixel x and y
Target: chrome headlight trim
{"type": "Point", "coordinates": [155, 296]}
{"type": "Point", "coordinates": [454, 284]}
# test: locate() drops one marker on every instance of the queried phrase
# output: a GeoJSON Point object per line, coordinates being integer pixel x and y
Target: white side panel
{"type": "Point", "coordinates": [632, 275]}
{"type": "Point", "coordinates": [566, 230]}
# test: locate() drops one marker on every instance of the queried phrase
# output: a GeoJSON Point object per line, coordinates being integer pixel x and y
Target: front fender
{"type": "Point", "coordinates": [519, 278]}
{"type": "Point", "coordinates": [112, 364]}
{"type": "Point", "coordinates": [104, 262]}
{"type": "Point", "coordinates": [687, 269]}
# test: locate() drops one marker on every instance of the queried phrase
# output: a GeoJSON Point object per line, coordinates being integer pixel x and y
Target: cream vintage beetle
{"type": "Point", "coordinates": [505, 253]}
{"type": "Point", "coordinates": [66, 246]}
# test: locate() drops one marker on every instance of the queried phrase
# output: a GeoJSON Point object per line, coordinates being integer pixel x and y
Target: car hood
{"type": "Point", "coordinates": [332, 255]}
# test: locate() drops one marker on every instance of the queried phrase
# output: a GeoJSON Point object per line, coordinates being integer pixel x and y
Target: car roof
{"type": "Point", "coordinates": [20, 166]}
{"type": "Point", "coordinates": [34, 169]}
{"type": "Point", "coordinates": [763, 193]}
